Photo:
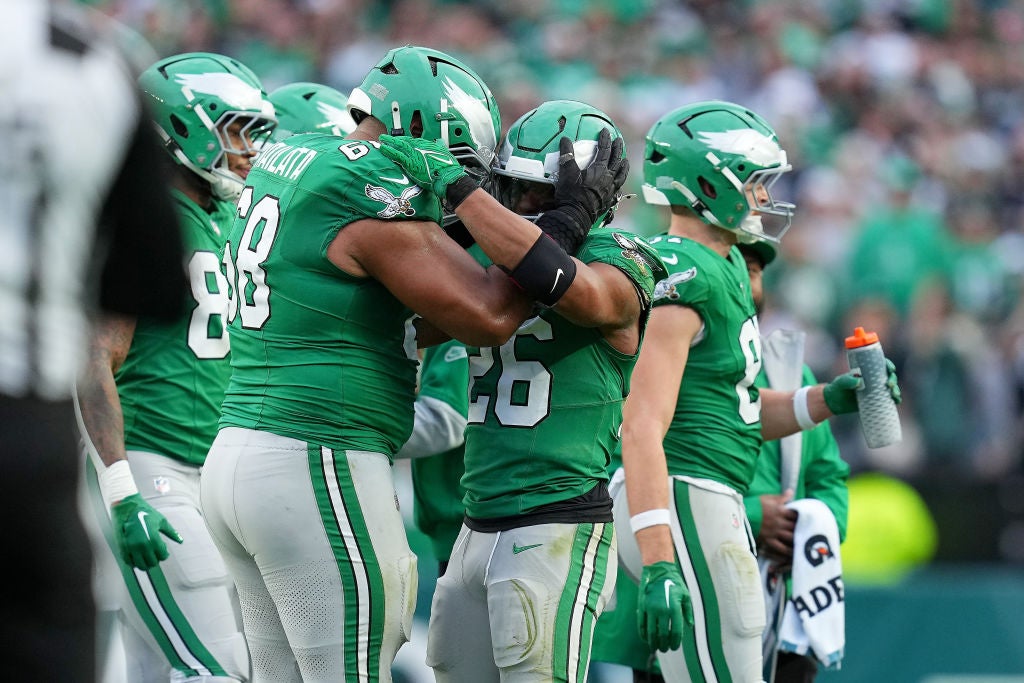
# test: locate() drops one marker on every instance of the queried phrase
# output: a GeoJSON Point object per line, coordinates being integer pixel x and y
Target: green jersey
{"type": "Point", "coordinates": [716, 429]}
{"type": "Point", "coordinates": [823, 472]}
{"type": "Point", "coordinates": [545, 408]}
{"type": "Point", "coordinates": [436, 479]}
{"type": "Point", "coordinates": [172, 380]}
{"type": "Point", "coordinates": [317, 354]}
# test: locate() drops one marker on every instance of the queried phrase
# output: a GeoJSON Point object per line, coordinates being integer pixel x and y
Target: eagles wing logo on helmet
{"type": "Point", "coordinates": [228, 87]}
{"type": "Point", "coordinates": [476, 114]}
{"type": "Point", "coordinates": [756, 146]}
{"type": "Point", "coordinates": [394, 205]}
{"type": "Point", "coordinates": [339, 118]}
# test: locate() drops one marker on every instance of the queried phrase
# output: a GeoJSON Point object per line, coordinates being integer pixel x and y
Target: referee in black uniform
{"type": "Point", "coordinates": [84, 221]}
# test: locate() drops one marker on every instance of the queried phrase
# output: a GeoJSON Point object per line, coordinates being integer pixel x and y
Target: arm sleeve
{"type": "Point", "coordinates": [442, 404]}
{"type": "Point", "coordinates": [437, 427]}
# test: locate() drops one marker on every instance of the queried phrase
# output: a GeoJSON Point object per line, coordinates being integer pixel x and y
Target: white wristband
{"type": "Point", "coordinates": [116, 482]}
{"type": "Point", "coordinates": [648, 518]}
{"type": "Point", "coordinates": [800, 411]}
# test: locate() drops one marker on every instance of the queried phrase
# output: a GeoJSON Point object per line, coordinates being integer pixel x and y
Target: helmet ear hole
{"type": "Point", "coordinates": [416, 124]}
{"type": "Point", "coordinates": [180, 129]}
{"type": "Point", "coordinates": [707, 188]}
{"type": "Point", "coordinates": [657, 157]}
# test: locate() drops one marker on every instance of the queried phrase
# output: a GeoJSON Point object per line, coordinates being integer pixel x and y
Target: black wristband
{"type": "Point", "coordinates": [457, 192]}
{"type": "Point", "coordinates": [546, 271]}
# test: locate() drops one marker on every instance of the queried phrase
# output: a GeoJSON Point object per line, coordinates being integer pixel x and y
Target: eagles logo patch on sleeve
{"type": "Point", "coordinates": [632, 251]}
{"type": "Point", "coordinates": [666, 289]}
{"type": "Point", "coordinates": [394, 206]}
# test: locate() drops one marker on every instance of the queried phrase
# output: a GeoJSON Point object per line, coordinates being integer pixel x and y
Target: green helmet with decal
{"type": "Point", "coordinates": [417, 90]}
{"type": "Point", "coordinates": [194, 99]}
{"type": "Point", "coordinates": [310, 108]}
{"type": "Point", "coordinates": [527, 167]}
{"type": "Point", "coordinates": [720, 160]}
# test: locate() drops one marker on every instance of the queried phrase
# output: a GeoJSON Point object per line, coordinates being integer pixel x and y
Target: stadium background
{"type": "Point", "coordinates": [904, 121]}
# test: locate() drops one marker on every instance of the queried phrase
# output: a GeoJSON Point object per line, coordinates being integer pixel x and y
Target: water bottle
{"type": "Point", "coordinates": [879, 420]}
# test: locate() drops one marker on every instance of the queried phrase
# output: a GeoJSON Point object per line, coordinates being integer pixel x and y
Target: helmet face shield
{"type": "Point", "coordinates": [769, 218]}
{"type": "Point", "coordinates": [241, 133]}
{"type": "Point", "coordinates": [528, 198]}
{"type": "Point", "coordinates": [477, 165]}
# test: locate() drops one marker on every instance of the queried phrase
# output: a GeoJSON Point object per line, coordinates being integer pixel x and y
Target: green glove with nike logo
{"type": "Point", "coordinates": [137, 529]}
{"type": "Point", "coordinates": [663, 604]}
{"type": "Point", "coordinates": [431, 166]}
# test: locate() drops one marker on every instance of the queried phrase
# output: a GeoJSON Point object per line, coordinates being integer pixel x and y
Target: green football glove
{"type": "Point", "coordinates": [841, 392]}
{"type": "Point", "coordinates": [663, 604]}
{"type": "Point", "coordinates": [428, 163]}
{"type": "Point", "coordinates": [137, 529]}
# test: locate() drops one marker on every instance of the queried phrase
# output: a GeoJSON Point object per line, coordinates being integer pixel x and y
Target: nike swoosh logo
{"type": "Point", "coordinates": [142, 521]}
{"type": "Point", "coordinates": [516, 549]}
{"type": "Point", "coordinates": [558, 274]}
{"type": "Point", "coordinates": [438, 157]}
{"type": "Point", "coordinates": [401, 181]}
{"type": "Point", "coordinates": [671, 261]}
{"type": "Point", "coordinates": [668, 585]}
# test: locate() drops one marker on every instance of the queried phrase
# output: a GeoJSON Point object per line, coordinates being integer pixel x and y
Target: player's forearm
{"type": "Point", "coordinates": [503, 235]}
{"type": "Point", "coordinates": [646, 487]}
{"type": "Point", "coordinates": [100, 408]}
{"type": "Point", "coordinates": [778, 414]}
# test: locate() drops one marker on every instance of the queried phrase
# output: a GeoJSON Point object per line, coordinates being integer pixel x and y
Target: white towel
{"type": "Point", "coordinates": [815, 616]}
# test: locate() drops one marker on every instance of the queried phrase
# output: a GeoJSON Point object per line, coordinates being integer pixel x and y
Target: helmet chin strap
{"type": "Point", "coordinates": [751, 229]}
{"type": "Point", "coordinates": [226, 186]}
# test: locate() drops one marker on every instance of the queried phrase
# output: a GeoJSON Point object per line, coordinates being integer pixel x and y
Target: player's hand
{"type": "Point", "coordinates": [841, 393]}
{"type": "Point", "coordinates": [663, 605]}
{"type": "Point", "coordinates": [137, 530]}
{"type": "Point", "coordinates": [427, 162]}
{"type": "Point", "coordinates": [595, 187]}
{"type": "Point", "coordinates": [584, 195]}
{"type": "Point", "coordinates": [778, 523]}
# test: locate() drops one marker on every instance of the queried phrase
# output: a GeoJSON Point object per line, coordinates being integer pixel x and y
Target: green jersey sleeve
{"type": "Point", "coordinates": [629, 253]}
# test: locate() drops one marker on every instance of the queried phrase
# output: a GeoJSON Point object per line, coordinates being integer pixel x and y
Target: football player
{"type": "Point", "coordinates": [534, 563]}
{"type": "Point", "coordinates": [150, 398]}
{"type": "Point", "coordinates": [334, 252]}
{"type": "Point", "coordinates": [310, 108]}
{"type": "Point", "coordinates": [694, 423]}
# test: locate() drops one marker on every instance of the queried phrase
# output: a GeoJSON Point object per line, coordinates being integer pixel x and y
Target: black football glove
{"type": "Point", "coordinates": [584, 195]}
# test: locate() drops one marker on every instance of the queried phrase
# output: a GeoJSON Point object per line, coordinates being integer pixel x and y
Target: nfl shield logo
{"type": "Point", "coordinates": [162, 485]}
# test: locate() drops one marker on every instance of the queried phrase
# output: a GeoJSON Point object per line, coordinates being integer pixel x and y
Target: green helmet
{"type": "Point", "coordinates": [721, 160]}
{"type": "Point", "coordinates": [528, 161]}
{"type": "Point", "coordinates": [310, 108]}
{"type": "Point", "coordinates": [194, 98]}
{"type": "Point", "coordinates": [417, 86]}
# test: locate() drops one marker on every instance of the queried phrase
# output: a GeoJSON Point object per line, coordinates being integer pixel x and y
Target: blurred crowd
{"type": "Point", "coordinates": [903, 119]}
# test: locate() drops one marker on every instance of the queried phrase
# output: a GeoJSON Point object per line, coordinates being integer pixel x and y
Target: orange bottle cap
{"type": "Point", "coordinates": [860, 338]}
